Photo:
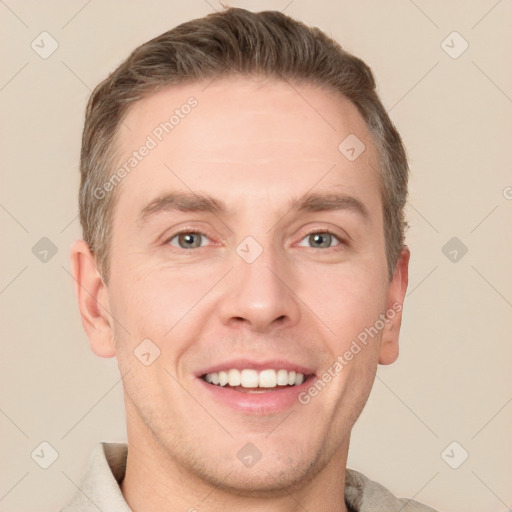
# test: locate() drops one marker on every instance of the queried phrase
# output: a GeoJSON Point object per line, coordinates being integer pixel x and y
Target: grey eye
{"type": "Point", "coordinates": [321, 240]}
{"type": "Point", "coordinates": [188, 240]}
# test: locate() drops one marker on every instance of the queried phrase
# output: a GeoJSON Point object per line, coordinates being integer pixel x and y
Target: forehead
{"type": "Point", "coordinates": [243, 109]}
{"type": "Point", "coordinates": [239, 135]}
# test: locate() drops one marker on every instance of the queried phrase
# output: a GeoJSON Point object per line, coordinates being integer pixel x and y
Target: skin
{"type": "Point", "coordinates": [253, 144]}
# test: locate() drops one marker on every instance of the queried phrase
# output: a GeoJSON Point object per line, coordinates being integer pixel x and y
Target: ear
{"type": "Point", "coordinates": [92, 295]}
{"type": "Point", "coordinates": [397, 288]}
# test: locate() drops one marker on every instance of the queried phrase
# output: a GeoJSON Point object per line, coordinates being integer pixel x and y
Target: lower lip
{"type": "Point", "coordinates": [266, 402]}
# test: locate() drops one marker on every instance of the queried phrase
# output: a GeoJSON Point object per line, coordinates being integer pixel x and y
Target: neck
{"type": "Point", "coordinates": [149, 485]}
{"type": "Point", "coordinates": [144, 489]}
{"type": "Point", "coordinates": [155, 480]}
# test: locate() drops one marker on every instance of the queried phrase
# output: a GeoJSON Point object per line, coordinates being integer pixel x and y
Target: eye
{"type": "Point", "coordinates": [321, 240]}
{"type": "Point", "coordinates": [187, 240]}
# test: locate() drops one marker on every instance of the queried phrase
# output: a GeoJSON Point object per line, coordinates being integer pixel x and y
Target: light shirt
{"type": "Point", "coordinates": [100, 489]}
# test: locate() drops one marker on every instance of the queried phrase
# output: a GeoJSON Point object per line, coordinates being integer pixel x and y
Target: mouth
{"type": "Point", "coordinates": [249, 380]}
{"type": "Point", "coordinates": [256, 389]}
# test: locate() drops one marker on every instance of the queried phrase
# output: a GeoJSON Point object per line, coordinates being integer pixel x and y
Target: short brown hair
{"type": "Point", "coordinates": [233, 42]}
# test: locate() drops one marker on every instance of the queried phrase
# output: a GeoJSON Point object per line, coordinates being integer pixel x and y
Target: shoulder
{"type": "Point", "coordinates": [365, 495]}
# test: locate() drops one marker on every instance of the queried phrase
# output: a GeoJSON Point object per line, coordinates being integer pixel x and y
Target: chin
{"type": "Point", "coordinates": [275, 475]}
{"type": "Point", "coordinates": [266, 481]}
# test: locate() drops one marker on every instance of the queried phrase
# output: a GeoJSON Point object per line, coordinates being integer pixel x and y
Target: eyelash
{"type": "Point", "coordinates": [197, 232]}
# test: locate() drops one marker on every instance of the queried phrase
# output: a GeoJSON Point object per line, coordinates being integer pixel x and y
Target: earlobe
{"type": "Point", "coordinates": [389, 347]}
{"type": "Point", "coordinates": [92, 295]}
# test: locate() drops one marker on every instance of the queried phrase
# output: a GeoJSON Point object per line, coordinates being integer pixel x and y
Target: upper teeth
{"type": "Point", "coordinates": [253, 379]}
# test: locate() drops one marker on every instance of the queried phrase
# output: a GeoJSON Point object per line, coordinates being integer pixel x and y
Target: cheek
{"type": "Point", "coordinates": [357, 385]}
{"type": "Point", "coordinates": [156, 305]}
{"type": "Point", "coordinates": [348, 300]}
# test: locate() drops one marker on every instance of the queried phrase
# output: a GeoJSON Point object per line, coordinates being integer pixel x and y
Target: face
{"type": "Point", "coordinates": [246, 247]}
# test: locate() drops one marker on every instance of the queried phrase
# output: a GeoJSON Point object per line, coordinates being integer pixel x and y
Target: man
{"type": "Point", "coordinates": [243, 258]}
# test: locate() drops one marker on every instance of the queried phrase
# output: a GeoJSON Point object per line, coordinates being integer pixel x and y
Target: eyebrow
{"type": "Point", "coordinates": [196, 202]}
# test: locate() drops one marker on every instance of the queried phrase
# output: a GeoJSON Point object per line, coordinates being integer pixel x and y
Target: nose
{"type": "Point", "coordinates": [259, 295]}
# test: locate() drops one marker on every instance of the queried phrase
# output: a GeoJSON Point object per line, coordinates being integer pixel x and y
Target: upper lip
{"type": "Point", "coordinates": [246, 363]}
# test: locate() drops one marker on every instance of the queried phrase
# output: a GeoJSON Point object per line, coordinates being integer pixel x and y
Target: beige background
{"type": "Point", "coordinates": [452, 381]}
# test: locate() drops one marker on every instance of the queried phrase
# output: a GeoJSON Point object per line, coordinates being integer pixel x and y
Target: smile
{"type": "Point", "coordinates": [252, 380]}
